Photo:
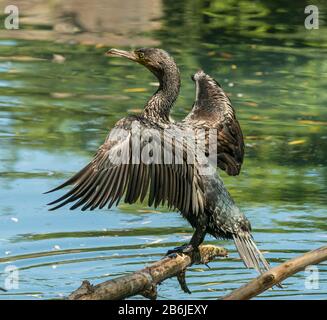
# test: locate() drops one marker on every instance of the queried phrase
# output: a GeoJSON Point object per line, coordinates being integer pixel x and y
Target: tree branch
{"type": "Point", "coordinates": [145, 281]}
{"type": "Point", "coordinates": [277, 274]}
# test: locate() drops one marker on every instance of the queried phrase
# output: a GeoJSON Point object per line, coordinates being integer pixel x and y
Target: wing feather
{"type": "Point", "coordinates": [106, 179]}
{"type": "Point", "coordinates": [212, 110]}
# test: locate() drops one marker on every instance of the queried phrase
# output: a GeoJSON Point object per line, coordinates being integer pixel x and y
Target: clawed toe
{"type": "Point", "coordinates": [186, 248]}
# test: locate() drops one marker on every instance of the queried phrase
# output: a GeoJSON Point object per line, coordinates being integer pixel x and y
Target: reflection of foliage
{"type": "Point", "coordinates": [279, 79]}
{"type": "Point", "coordinates": [234, 21]}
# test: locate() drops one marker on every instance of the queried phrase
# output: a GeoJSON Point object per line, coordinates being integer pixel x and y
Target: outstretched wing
{"type": "Point", "coordinates": [131, 163]}
{"type": "Point", "coordinates": [213, 111]}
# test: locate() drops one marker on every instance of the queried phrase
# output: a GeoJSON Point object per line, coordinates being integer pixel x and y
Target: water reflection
{"type": "Point", "coordinates": [80, 21]}
{"type": "Point", "coordinates": [53, 116]}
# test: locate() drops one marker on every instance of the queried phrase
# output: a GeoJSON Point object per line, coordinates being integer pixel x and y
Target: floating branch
{"type": "Point", "coordinates": [145, 281]}
{"type": "Point", "coordinates": [277, 274]}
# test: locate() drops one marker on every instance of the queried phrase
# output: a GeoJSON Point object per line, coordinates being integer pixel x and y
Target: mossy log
{"type": "Point", "coordinates": [145, 281]}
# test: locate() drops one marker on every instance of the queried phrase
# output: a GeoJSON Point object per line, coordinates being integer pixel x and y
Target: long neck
{"type": "Point", "coordinates": [158, 107]}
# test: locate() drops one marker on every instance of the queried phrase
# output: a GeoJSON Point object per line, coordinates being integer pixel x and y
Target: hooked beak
{"type": "Point", "coordinates": [121, 53]}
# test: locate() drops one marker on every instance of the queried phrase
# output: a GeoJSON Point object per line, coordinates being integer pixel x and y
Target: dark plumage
{"type": "Point", "coordinates": [180, 184]}
{"type": "Point", "coordinates": [105, 180]}
{"type": "Point", "coordinates": [212, 109]}
{"type": "Point", "coordinates": [212, 113]}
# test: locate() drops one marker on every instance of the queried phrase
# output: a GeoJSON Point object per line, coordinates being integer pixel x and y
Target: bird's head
{"type": "Point", "coordinates": [158, 61]}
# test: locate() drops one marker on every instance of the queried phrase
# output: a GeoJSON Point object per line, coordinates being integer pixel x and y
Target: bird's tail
{"type": "Point", "coordinates": [250, 254]}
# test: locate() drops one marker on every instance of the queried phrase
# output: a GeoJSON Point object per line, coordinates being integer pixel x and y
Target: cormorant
{"type": "Point", "coordinates": [202, 199]}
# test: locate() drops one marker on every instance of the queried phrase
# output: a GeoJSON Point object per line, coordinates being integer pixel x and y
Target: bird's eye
{"type": "Point", "coordinates": [141, 55]}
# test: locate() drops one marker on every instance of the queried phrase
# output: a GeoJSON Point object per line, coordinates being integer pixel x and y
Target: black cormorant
{"type": "Point", "coordinates": [117, 168]}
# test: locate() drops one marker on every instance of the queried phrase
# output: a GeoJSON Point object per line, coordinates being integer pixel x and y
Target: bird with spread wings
{"type": "Point", "coordinates": [148, 154]}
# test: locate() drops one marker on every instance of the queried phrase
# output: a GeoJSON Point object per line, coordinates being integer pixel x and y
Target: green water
{"type": "Point", "coordinates": [54, 116]}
